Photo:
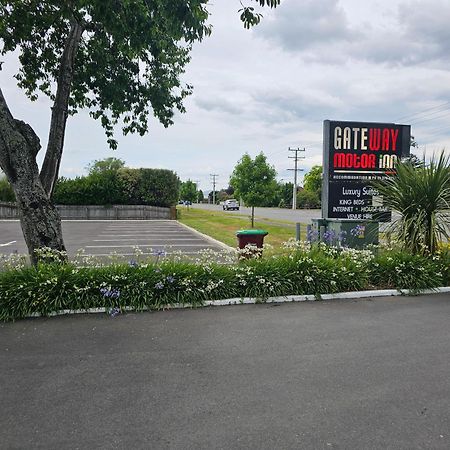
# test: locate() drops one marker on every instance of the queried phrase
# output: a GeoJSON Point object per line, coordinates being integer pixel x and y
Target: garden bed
{"type": "Point", "coordinates": [142, 284]}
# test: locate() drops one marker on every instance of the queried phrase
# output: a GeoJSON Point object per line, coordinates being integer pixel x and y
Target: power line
{"type": "Point", "coordinates": [411, 116]}
{"type": "Point", "coordinates": [296, 170]}
{"type": "Point", "coordinates": [431, 118]}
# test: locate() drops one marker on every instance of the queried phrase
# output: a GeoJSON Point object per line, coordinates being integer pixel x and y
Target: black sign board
{"type": "Point", "coordinates": [354, 154]}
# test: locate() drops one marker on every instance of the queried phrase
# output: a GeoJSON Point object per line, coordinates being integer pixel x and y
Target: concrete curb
{"type": "Point", "coordinates": [208, 238]}
{"type": "Point", "coordinates": [252, 301]}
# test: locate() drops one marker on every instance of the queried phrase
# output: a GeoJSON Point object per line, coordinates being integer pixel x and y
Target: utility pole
{"type": "Point", "coordinates": [197, 182]}
{"type": "Point", "coordinates": [213, 181]}
{"type": "Point", "coordinates": [296, 169]}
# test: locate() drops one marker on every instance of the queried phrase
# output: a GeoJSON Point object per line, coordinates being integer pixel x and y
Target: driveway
{"type": "Point", "coordinates": [299, 215]}
{"type": "Point", "coordinates": [359, 374]}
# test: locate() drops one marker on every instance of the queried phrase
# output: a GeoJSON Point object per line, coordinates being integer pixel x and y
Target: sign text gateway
{"type": "Point", "coordinates": [354, 154]}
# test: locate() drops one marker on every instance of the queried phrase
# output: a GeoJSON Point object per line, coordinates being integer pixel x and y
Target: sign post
{"type": "Point", "coordinates": [355, 154]}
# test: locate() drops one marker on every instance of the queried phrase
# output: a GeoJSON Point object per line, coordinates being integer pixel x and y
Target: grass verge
{"type": "Point", "coordinates": [222, 226]}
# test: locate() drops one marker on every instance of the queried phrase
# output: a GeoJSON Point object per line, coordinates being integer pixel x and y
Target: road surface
{"type": "Point", "coordinates": [355, 374]}
{"type": "Point", "coordinates": [299, 215]}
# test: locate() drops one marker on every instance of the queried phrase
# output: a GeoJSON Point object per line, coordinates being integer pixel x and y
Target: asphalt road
{"type": "Point", "coordinates": [101, 238]}
{"type": "Point", "coordinates": [353, 374]}
{"type": "Point", "coordinates": [299, 215]}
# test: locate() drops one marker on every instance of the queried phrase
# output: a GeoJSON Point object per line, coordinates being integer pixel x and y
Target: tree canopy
{"type": "Point", "coordinates": [254, 181]}
{"type": "Point", "coordinates": [127, 58]}
{"type": "Point", "coordinates": [188, 191]}
{"type": "Point", "coordinates": [103, 165]}
{"type": "Point", "coordinates": [313, 180]}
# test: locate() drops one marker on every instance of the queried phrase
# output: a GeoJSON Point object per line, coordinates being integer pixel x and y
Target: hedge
{"type": "Point", "coordinates": [156, 187]}
{"type": "Point", "coordinates": [157, 284]}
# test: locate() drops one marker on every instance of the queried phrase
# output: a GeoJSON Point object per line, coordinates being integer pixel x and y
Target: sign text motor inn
{"type": "Point", "coordinates": [355, 153]}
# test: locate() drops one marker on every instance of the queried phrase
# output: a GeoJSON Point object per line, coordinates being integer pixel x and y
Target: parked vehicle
{"type": "Point", "coordinates": [231, 204]}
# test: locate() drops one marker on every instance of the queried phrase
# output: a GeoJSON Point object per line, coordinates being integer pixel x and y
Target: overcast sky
{"type": "Point", "coordinates": [271, 87]}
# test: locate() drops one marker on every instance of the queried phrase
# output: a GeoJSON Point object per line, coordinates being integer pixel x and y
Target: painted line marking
{"type": "Point", "coordinates": [143, 245]}
{"type": "Point", "coordinates": [145, 239]}
{"type": "Point", "coordinates": [141, 254]}
{"type": "Point", "coordinates": [143, 233]}
{"type": "Point", "coordinates": [8, 243]}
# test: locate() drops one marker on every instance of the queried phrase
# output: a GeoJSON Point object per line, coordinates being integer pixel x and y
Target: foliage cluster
{"type": "Point", "coordinates": [158, 283]}
{"type": "Point", "coordinates": [125, 186]}
{"type": "Point", "coordinates": [188, 191]}
{"type": "Point", "coordinates": [420, 194]}
{"type": "Point", "coordinates": [311, 195]}
{"type": "Point", "coordinates": [6, 191]}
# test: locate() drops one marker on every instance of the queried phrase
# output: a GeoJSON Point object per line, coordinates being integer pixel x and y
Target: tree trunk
{"type": "Point", "coordinates": [19, 145]}
{"type": "Point", "coordinates": [253, 217]}
{"type": "Point", "coordinates": [60, 110]}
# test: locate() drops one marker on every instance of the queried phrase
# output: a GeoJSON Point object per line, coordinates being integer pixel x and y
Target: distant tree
{"type": "Point", "coordinates": [200, 196]}
{"type": "Point", "coordinates": [102, 165]}
{"type": "Point", "coordinates": [284, 195]}
{"type": "Point", "coordinates": [313, 181]}
{"type": "Point", "coordinates": [308, 199]}
{"type": "Point", "coordinates": [188, 191]}
{"type": "Point", "coordinates": [223, 195]}
{"type": "Point", "coordinates": [254, 181]}
{"type": "Point", "coordinates": [6, 191]}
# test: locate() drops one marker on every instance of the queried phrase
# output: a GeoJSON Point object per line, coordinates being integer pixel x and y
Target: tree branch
{"type": "Point", "coordinates": [50, 167]}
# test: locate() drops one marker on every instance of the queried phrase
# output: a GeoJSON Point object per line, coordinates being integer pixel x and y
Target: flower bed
{"type": "Point", "coordinates": [159, 283]}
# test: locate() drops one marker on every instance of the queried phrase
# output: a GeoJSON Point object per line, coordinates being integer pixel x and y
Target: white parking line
{"type": "Point", "coordinates": [141, 254]}
{"type": "Point", "coordinates": [143, 245]}
{"type": "Point", "coordinates": [144, 233]}
{"type": "Point", "coordinates": [8, 243]}
{"type": "Point", "coordinates": [146, 239]}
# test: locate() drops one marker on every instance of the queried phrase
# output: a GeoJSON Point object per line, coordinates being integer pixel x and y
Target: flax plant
{"type": "Point", "coordinates": [420, 194]}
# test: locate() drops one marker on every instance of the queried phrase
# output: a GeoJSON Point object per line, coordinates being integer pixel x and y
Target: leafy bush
{"type": "Point", "coordinates": [420, 194]}
{"type": "Point", "coordinates": [308, 199]}
{"type": "Point", "coordinates": [6, 191]}
{"type": "Point", "coordinates": [156, 187]}
{"type": "Point", "coordinates": [161, 282]}
{"type": "Point", "coordinates": [406, 271]}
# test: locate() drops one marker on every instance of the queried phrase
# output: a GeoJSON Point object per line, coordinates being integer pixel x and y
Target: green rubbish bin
{"type": "Point", "coordinates": [254, 238]}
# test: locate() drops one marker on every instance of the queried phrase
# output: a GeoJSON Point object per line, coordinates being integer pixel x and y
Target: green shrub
{"type": "Point", "coordinates": [156, 187]}
{"type": "Point", "coordinates": [158, 284]}
{"type": "Point", "coordinates": [406, 271]}
{"type": "Point", "coordinates": [6, 191]}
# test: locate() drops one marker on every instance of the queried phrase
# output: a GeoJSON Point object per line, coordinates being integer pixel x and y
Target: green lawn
{"type": "Point", "coordinates": [222, 226]}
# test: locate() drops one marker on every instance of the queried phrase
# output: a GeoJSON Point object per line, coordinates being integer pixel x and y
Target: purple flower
{"type": "Point", "coordinates": [159, 285]}
{"type": "Point", "coordinates": [115, 293]}
{"type": "Point", "coordinates": [159, 253]}
{"type": "Point", "coordinates": [133, 263]}
{"type": "Point", "coordinates": [170, 279]}
{"type": "Point", "coordinates": [113, 312]}
{"type": "Point", "coordinates": [329, 236]}
{"type": "Point", "coordinates": [104, 292]}
{"type": "Point", "coordinates": [358, 231]}
{"type": "Point", "coordinates": [312, 235]}
{"type": "Point", "coordinates": [110, 293]}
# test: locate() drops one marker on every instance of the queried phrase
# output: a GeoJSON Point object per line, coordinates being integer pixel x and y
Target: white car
{"type": "Point", "coordinates": [230, 204]}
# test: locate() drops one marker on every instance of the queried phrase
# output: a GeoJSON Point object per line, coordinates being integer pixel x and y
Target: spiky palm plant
{"type": "Point", "coordinates": [420, 194]}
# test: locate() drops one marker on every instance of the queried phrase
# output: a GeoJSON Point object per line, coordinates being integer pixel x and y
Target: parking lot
{"type": "Point", "coordinates": [101, 238]}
